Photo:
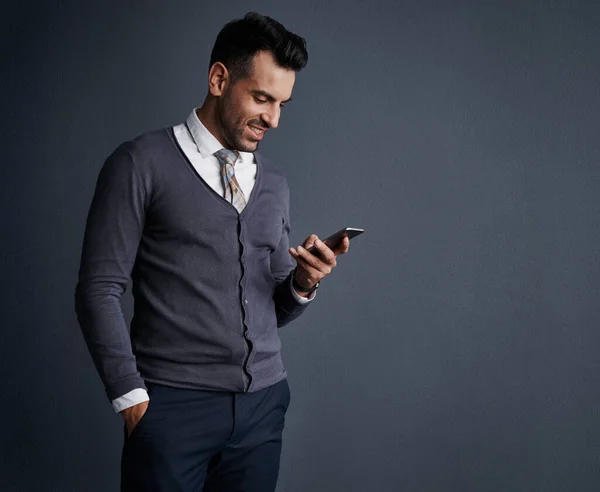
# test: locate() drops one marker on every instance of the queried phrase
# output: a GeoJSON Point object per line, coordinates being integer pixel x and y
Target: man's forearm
{"type": "Point", "coordinates": [107, 337]}
{"type": "Point", "coordinates": [287, 305]}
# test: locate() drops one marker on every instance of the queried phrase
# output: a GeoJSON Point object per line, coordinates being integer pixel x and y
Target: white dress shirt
{"type": "Point", "coordinates": [199, 146]}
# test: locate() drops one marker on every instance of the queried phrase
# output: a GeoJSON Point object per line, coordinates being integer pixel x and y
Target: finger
{"type": "Point", "coordinates": [314, 261]}
{"type": "Point", "coordinates": [307, 246]}
{"type": "Point", "coordinates": [309, 241]}
{"type": "Point", "coordinates": [301, 253]}
{"type": "Point", "coordinates": [303, 261]}
{"type": "Point", "coordinates": [313, 274]}
{"type": "Point", "coordinates": [342, 247]}
{"type": "Point", "coordinates": [325, 253]}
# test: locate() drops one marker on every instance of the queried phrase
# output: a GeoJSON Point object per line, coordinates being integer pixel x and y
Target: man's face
{"type": "Point", "coordinates": [251, 106]}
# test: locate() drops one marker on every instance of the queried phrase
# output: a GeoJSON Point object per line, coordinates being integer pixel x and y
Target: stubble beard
{"type": "Point", "coordinates": [233, 128]}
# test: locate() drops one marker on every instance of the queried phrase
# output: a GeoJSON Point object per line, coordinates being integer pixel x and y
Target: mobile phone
{"type": "Point", "coordinates": [334, 240]}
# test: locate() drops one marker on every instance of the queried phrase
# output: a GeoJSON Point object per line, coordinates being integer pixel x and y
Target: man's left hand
{"type": "Point", "coordinates": [316, 265]}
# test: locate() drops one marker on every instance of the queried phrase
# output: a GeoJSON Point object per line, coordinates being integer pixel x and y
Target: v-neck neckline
{"type": "Point", "coordinates": [255, 189]}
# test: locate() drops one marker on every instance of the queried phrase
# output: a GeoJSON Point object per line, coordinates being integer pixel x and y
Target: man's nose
{"type": "Point", "coordinates": [271, 117]}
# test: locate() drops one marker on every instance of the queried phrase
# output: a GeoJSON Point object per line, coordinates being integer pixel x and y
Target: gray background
{"type": "Point", "coordinates": [454, 349]}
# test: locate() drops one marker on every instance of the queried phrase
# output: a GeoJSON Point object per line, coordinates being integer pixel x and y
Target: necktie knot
{"type": "Point", "coordinates": [226, 156]}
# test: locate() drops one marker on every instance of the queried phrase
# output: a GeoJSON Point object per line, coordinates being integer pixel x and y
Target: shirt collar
{"type": "Point", "coordinates": [206, 142]}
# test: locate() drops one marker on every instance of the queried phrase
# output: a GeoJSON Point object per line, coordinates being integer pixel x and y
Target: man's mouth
{"type": "Point", "coordinates": [258, 131]}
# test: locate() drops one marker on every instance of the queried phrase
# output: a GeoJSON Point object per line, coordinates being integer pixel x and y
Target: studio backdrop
{"type": "Point", "coordinates": [456, 346]}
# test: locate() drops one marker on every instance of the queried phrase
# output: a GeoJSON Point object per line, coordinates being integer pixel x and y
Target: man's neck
{"type": "Point", "coordinates": [205, 115]}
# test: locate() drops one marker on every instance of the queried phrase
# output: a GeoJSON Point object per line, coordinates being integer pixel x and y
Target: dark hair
{"type": "Point", "coordinates": [241, 39]}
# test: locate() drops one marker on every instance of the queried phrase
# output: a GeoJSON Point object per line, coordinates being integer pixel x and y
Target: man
{"type": "Point", "coordinates": [201, 223]}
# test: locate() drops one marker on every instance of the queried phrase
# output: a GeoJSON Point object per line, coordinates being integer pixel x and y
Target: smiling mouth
{"type": "Point", "coordinates": [257, 130]}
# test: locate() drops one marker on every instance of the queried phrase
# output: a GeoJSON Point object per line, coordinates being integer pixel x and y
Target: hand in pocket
{"type": "Point", "coordinates": [133, 415]}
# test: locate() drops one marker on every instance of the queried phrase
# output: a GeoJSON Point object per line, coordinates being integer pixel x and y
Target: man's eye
{"type": "Point", "coordinates": [260, 100]}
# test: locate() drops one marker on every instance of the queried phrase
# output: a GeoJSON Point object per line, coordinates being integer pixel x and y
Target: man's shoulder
{"type": "Point", "coordinates": [148, 143]}
{"type": "Point", "coordinates": [148, 151]}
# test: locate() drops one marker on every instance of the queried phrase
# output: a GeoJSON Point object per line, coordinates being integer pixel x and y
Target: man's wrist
{"type": "Point", "coordinates": [300, 297]}
{"type": "Point", "coordinates": [128, 400]}
{"type": "Point", "coordinates": [302, 289]}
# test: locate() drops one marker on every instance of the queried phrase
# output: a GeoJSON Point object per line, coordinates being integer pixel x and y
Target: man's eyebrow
{"type": "Point", "coordinates": [268, 96]}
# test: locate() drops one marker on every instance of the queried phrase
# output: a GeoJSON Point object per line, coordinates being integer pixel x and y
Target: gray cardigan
{"type": "Point", "coordinates": [210, 286]}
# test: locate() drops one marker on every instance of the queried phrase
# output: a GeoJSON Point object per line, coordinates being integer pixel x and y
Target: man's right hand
{"type": "Point", "coordinates": [133, 415]}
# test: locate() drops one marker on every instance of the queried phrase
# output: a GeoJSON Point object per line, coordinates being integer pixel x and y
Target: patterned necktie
{"type": "Point", "coordinates": [231, 188]}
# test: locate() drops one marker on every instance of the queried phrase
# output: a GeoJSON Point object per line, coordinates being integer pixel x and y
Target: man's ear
{"type": "Point", "coordinates": [218, 78]}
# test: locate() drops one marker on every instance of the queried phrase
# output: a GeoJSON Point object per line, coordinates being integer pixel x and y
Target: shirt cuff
{"type": "Point", "coordinates": [298, 297]}
{"type": "Point", "coordinates": [130, 399]}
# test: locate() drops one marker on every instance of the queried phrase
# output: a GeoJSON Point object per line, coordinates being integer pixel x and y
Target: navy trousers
{"type": "Point", "coordinates": [206, 441]}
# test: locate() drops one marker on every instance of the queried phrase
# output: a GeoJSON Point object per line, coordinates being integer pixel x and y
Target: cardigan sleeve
{"type": "Point", "coordinates": [288, 308]}
{"type": "Point", "coordinates": [113, 230]}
